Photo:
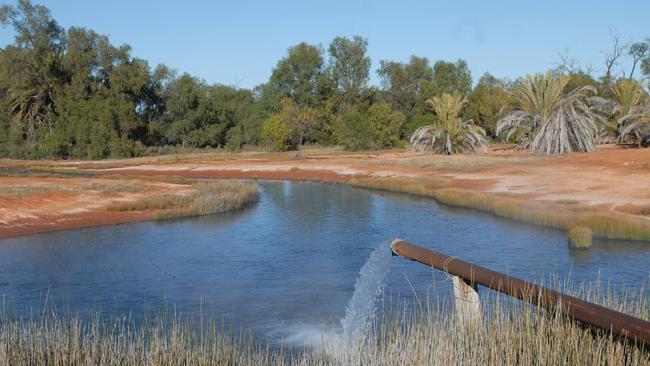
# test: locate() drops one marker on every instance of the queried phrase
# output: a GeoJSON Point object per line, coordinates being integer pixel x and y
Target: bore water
{"type": "Point", "coordinates": [369, 285]}
{"type": "Point", "coordinates": [359, 313]}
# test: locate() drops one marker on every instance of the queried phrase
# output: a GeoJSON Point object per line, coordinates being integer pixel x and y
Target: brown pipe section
{"type": "Point", "coordinates": [623, 325]}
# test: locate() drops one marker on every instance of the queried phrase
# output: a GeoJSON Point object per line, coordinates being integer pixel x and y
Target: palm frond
{"type": "Point", "coordinates": [449, 134]}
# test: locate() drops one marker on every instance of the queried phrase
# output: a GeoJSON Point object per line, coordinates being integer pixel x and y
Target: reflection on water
{"type": "Point", "coordinates": [289, 262]}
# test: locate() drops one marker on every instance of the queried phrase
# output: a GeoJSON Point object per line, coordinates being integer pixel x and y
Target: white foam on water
{"type": "Point", "coordinates": [317, 336]}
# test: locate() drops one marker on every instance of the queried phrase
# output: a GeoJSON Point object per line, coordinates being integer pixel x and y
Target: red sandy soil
{"type": "Point", "coordinates": [67, 203]}
{"type": "Point", "coordinates": [613, 177]}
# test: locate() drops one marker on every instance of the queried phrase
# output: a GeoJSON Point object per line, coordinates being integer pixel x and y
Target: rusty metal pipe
{"type": "Point", "coordinates": [623, 325]}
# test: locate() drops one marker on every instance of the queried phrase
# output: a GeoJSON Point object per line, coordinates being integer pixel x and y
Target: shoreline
{"type": "Point", "coordinates": [498, 183]}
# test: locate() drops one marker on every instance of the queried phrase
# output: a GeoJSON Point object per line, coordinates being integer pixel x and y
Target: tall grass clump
{"type": "Point", "coordinates": [204, 198]}
{"type": "Point", "coordinates": [213, 197]}
{"type": "Point", "coordinates": [511, 332]}
{"type": "Point", "coordinates": [580, 237]}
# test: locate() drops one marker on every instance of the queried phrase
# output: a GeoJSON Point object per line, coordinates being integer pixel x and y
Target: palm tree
{"type": "Point", "coordinates": [628, 113]}
{"type": "Point", "coordinates": [449, 134]}
{"type": "Point", "coordinates": [33, 109]}
{"type": "Point", "coordinates": [548, 120]}
{"type": "Point", "coordinates": [607, 131]}
{"type": "Point", "coordinates": [633, 111]}
{"type": "Point", "coordinates": [636, 127]}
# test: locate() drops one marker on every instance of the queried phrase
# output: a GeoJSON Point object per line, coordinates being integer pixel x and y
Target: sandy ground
{"type": "Point", "coordinates": [31, 204]}
{"type": "Point", "coordinates": [613, 178]}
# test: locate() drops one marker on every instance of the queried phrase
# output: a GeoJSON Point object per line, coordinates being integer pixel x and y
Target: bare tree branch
{"type": "Point", "coordinates": [567, 63]}
{"type": "Point", "coordinates": [613, 56]}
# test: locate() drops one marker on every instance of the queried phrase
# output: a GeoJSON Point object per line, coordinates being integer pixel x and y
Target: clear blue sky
{"type": "Point", "coordinates": [239, 42]}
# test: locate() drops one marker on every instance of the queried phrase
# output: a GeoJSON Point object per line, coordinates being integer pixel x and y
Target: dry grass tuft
{"type": "Point", "coordinates": [206, 198]}
{"type": "Point", "coordinates": [213, 197]}
{"type": "Point", "coordinates": [580, 237]}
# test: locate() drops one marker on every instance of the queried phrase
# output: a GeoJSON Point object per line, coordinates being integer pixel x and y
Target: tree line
{"type": "Point", "coordinates": [72, 94]}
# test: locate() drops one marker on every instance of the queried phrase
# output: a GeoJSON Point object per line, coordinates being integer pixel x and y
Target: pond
{"type": "Point", "coordinates": [288, 263]}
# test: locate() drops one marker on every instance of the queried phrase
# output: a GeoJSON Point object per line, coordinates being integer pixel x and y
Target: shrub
{"type": "Point", "coordinates": [276, 134]}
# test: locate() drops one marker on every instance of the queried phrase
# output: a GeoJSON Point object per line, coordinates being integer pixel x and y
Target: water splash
{"type": "Point", "coordinates": [369, 285]}
{"type": "Point", "coordinates": [359, 312]}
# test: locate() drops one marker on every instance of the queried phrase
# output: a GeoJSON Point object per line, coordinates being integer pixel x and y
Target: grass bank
{"type": "Point", "coordinates": [603, 223]}
{"type": "Point", "coordinates": [429, 334]}
{"type": "Point", "coordinates": [205, 198]}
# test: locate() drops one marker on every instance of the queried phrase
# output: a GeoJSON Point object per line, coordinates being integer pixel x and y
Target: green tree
{"type": "Point", "coordinates": [301, 120]}
{"type": "Point", "coordinates": [452, 78]}
{"type": "Point", "coordinates": [200, 115]}
{"type": "Point", "coordinates": [484, 103]}
{"type": "Point", "coordinates": [377, 129]}
{"type": "Point", "coordinates": [349, 66]}
{"type": "Point", "coordinates": [405, 85]}
{"type": "Point", "coordinates": [298, 75]}
{"type": "Point", "coordinates": [30, 68]}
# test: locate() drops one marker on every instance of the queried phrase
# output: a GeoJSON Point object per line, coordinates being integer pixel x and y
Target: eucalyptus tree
{"type": "Point", "coordinates": [297, 76]}
{"type": "Point", "coordinates": [452, 77]}
{"type": "Point", "coordinates": [485, 101]}
{"type": "Point", "coordinates": [349, 66]}
{"type": "Point", "coordinates": [449, 134]}
{"type": "Point", "coordinates": [107, 100]}
{"type": "Point", "coordinates": [406, 84]}
{"type": "Point", "coordinates": [545, 118]}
